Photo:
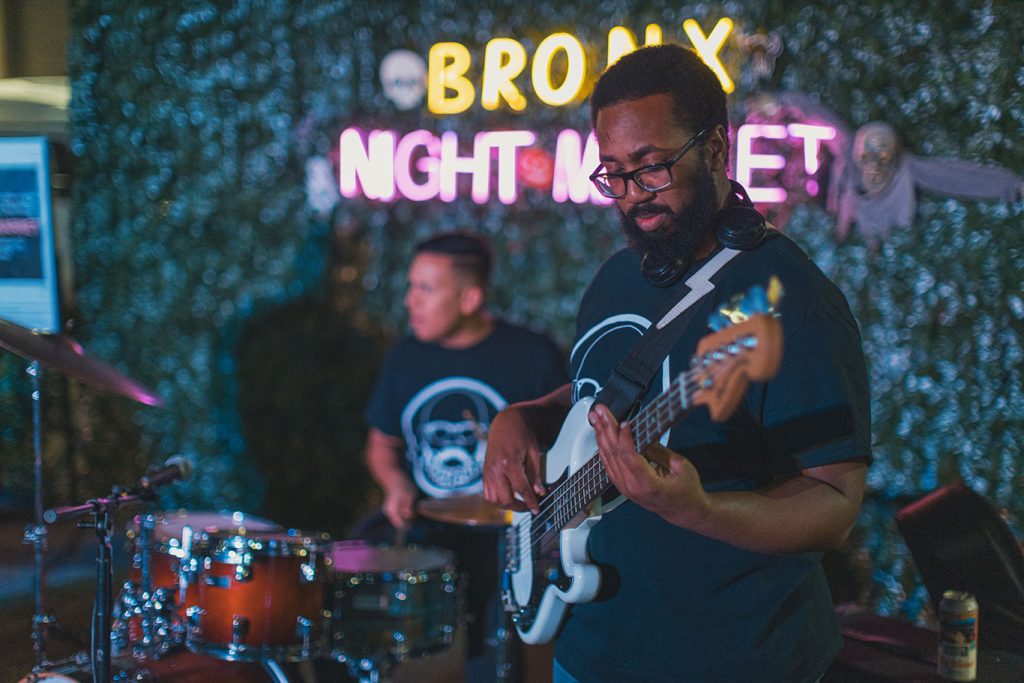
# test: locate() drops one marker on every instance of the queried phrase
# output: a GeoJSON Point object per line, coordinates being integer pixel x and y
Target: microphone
{"type": "Point", "coordinates": [176, 468]}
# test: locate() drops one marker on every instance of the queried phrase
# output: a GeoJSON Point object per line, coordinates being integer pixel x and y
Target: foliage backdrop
{"type": "Point", "coordinates": [202, 272]}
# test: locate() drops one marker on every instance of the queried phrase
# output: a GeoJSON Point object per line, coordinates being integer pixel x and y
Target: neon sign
{"type": "Point", "coordinates": [449, 91]}
{"type": "Point", "coordinates": [747, 161]}
{"type": "Point", "coordinates": [421, 166]}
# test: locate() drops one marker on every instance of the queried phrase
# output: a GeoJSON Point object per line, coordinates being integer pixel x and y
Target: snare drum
{"type": "Point", "coordinates": [261, 596]}
{"type": "Point", "coordinates": [176, 547]}
{"type": "Point", "coordinates": [391, 602]}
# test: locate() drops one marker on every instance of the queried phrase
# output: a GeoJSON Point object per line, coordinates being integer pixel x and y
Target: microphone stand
{"type": "Point", "coordinates": [101, 510]}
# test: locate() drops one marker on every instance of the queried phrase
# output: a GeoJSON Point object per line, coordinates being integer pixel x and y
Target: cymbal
{"type": "Point", "coordinates": [465, 510]}
{"type": "Point", "coordinates": [68, 357]}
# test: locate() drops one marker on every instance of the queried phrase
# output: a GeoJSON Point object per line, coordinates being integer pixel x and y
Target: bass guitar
{"type": "Point", "coordinates": [547, 567]}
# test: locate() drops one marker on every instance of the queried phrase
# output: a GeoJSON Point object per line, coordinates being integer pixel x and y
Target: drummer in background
{"type": "Point", "coordinates": [431, 408]}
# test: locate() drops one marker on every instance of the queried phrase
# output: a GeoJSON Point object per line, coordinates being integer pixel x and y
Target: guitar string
{"type": "Point", "coordinates": [591, 477]}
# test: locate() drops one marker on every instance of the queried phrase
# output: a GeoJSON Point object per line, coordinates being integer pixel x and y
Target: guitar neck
{"type": "Point", "coordinates": [590, 481]}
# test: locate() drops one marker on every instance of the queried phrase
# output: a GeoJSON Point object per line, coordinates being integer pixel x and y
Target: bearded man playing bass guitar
{"type": "Point", "coordinates": [709, 563]}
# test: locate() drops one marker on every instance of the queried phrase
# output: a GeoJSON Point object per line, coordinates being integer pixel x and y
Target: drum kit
{"type": "Point", "coordinates": [241, 589]}
{"type": "Point", "coordinates": [226, 596]}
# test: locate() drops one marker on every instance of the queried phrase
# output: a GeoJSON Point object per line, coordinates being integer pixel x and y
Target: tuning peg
{"type": "Point", "coordinates": [718, 321]}
{"type": "Point", "coordinates": [756, 300]}
{"type": "Point", "coordinates": [775, 293]}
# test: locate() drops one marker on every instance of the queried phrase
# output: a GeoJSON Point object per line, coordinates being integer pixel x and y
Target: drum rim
{"type": "Point", "coordinates": [159, 536]}
{"type": "Point", "coordinates": [285, 543]}
{"type": "Point", "coordinates": [253, 653]}
{"type": "Point", "coordinates": [445, 559]}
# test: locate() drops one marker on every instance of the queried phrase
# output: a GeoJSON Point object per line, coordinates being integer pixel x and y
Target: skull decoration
{"type": "Point", "coordinates": [876, 151]}
{"type": "Point", "coordinates": [403, 74]}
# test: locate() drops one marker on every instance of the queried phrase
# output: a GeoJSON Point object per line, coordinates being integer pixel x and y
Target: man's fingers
{"type": "Point", "coordinates": [522, 487]}
{"type": "Point", "coordinates": [396, 520]}
{"type": "Point", "coordinates": [502, 495]}
{"type": "Point", "coordinates": [534, 472]}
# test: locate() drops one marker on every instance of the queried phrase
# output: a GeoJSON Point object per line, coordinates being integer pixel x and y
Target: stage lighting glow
{"type": "Point", "coordinates": [709, 46]}
{"type": "Point", "coordinates": [747, 161]}
{"type": "Point", "coordinates": [370, 166]}
{"type": "Point", "coordinates": [447, 64]}
{"type": "Point", "coordinates": [812, 136]}
{"type": "Point", "coordinates": [556, 96]}
{"type": "Point", "coordinates": [428, 164]}
{"type": "Point", "coordinates": [504, 59]}
{"type": "Point", "coordinates": [621, 41]}
{"type": "Point", "coordinates": [573, 165]}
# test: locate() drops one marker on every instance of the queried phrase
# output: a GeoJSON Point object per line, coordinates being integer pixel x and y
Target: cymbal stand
{"type": "Point", "coordinates": [36, 533]}
{"type": "Point", "coordinates": [101, 510]}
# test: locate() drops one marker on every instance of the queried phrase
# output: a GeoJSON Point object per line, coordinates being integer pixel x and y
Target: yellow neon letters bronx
{"type": "Point", "coordinates": [449, 91]}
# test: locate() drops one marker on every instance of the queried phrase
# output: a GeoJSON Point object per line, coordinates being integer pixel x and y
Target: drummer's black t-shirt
{"type": "Point", "coordinates": [676, 605]}
{"type": "Point", "coordinates": [441, 401]}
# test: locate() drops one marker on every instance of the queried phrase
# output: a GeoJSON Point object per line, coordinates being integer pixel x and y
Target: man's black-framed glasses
{"type": "Point", "coordinates": [651, 178]}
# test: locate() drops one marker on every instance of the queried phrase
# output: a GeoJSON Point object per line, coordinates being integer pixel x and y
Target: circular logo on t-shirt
{"type": "Point", "coordinates": [445, 427]}
{"type": "Point", "coordinates": [601, 348]}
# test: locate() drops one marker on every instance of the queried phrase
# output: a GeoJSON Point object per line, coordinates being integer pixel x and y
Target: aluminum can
{"type": "Point", "coordinates": [958, 636]}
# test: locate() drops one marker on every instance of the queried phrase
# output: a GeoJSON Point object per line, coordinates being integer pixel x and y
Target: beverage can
{"type": "Point", "coordinates": [958, 636]}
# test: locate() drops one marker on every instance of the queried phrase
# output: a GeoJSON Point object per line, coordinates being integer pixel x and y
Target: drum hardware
{"type": "Point", "coordinates": [63, 354]}
{"type": "Point", "coordinates": [219, 581]}
{"type": "Point", "coordinates": [182, 666]}
{"type": "Point", "coordinates": [474, 511]}
{"type": "Point", "coordinates": [101, 511]}
{"type": "Point", "coordinates": [239, 630]}
{"type": "Point", "coordinates": [304, 630]}
{"type": "Point", "coordinates": [188, 566]}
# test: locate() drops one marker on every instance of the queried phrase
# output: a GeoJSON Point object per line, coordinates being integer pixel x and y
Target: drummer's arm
{"type": "Point", "coordinates": [384, 460]}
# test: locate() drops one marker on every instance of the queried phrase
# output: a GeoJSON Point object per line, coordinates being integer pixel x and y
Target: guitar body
{"type": "Point", "coordinates": [549, 571]}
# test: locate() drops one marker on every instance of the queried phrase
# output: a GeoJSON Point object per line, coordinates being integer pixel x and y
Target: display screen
{"type": "Point", "coordinates": [28, 275]}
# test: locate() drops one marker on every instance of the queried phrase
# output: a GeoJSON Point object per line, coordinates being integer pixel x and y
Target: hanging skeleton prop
{"type": "Point", "coordinates": [882, 195]}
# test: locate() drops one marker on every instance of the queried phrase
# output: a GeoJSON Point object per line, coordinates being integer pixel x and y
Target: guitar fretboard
{"type": "Point", "coordinates": [590, 481]}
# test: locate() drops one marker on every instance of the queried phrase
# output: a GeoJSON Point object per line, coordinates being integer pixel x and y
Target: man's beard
{"type": "Point", "coordinates": [679, 238]}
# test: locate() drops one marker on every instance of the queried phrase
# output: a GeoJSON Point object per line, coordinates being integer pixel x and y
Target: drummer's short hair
{"type": "Point", "coordinates": [470, 253]}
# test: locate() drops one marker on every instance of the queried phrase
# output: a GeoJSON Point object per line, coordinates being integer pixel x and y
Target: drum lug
{"type": "Point", "coordinates": [243, 570]}
{"type": "Point", "coordinates": [194, 614]}
{"type": "Point", "coordinates": [218, 581]}
{"type": "Point", "coordinates": [304, 630]}
{"type": "Point", "coordinates": [239, 629]}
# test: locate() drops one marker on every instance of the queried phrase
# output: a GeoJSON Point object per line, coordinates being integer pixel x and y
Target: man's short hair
{"type": "Point", "coordinates": [698, 101]}
{"type": "Point", "coordinates": [470, 254]}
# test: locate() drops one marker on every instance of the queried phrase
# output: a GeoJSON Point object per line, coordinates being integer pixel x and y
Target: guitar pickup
{"type": "Point", "coordinates": [512, 548]}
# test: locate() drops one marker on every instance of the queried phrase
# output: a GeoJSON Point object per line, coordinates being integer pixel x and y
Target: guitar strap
{"type": "Point", "coordinates": [631, 378]}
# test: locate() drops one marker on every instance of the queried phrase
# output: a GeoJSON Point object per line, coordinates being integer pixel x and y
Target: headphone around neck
{"type": "Point", "coordinates": [737, 226]}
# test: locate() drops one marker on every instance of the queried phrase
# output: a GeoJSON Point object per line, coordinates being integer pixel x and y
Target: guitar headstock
{"type": "Point", "coordinates": [745, 347]}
